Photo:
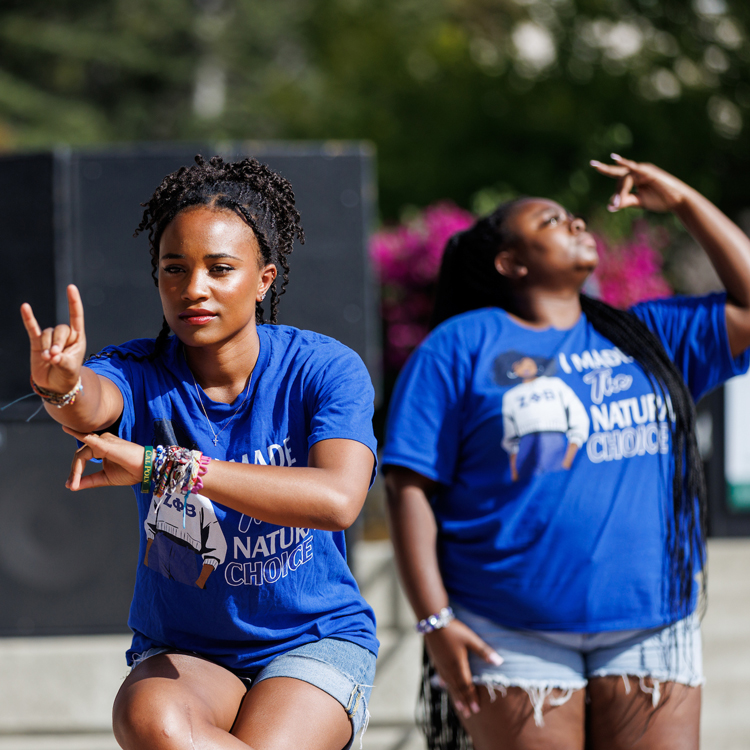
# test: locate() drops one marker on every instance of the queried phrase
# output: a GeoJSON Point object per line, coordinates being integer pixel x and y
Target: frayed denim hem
{"type": "Point", "coordinates": [654, 690]}
{"type": "Point", "coordinates": [537, 690]}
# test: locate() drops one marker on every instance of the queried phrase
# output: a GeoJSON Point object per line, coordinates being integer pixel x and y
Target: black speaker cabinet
{"type": "Point", "coordinates": [67, 561]}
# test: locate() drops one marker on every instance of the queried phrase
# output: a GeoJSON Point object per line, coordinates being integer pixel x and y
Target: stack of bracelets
{"type": "Point", "coordinates": [58, 399]}
{"type": "Point", "coordinates": [173, 470]}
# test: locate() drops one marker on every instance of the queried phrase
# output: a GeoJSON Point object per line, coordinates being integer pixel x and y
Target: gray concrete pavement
{"type": "Point", "coordinates": [56, 693]}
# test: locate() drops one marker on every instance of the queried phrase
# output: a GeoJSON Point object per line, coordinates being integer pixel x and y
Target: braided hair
{"type": "Point", "coordinates": [257, 194]}
{"type": "Point", "coordinates": [262, 198]}
{"type": "Point", "coordinates": [468, 280]}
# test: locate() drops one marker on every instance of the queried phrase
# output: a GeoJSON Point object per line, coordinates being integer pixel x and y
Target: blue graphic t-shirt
{"type": "Point", "coordinates": [268, 588]}
{"type": "Point", "coordinates": [553, 457]}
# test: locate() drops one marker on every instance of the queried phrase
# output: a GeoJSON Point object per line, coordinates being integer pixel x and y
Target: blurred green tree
{"type": "Point", "coordinates": [471, 100]}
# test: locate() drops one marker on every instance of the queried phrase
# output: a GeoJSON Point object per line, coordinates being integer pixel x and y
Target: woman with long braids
{"type": "Point", "coordinates": [250, 450]}
{"type": "Point", "coordinates": [546, 497]}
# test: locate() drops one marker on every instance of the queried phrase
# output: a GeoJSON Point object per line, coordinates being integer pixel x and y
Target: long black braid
{"type": "Point", "coordinates": [260, 196]}
{"type": "Point", "coordinates": [468, 280]}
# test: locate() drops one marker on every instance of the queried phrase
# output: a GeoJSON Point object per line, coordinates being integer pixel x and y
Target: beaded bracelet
{"type": "Point", "coordinates": [434, 622]}
{"type": "Point", "coordinates": [58, 399]}
{"type": "Point", "coordinates": [177, 470]}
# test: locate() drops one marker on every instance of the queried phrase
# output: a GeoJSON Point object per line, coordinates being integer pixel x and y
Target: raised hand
{"type": "Point", "coordinates": [122, 461]}
{"type": "Point", "coordinates": [57, 353]}
{"type": "Point", "coordinates": [656, 190]}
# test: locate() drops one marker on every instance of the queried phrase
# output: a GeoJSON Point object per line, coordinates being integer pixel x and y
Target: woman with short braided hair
{"type": "Point", "coordinates": [250, 449]}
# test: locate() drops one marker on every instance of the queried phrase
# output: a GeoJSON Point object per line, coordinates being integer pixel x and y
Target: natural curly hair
{"type": "Point", "coordinates": [260, 196]}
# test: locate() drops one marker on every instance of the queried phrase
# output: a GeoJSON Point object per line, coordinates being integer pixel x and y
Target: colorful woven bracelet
{"type": "Point", "coordinates": [58, 399]}
{"type": "Point", "coordinates": [434, 622]}
{"type": "Point", "coordinates": [148, 468]}
{"type": "Point", "coordinates": [177, 470]}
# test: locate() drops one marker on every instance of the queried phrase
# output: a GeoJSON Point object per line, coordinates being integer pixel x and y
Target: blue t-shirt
{"type": "Point", "coordinates": [553, 458]}
{"type": "Point", "coordinates": [270, 588]}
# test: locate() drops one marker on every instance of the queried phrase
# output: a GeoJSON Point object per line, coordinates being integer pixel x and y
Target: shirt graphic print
{"type": "Point", "coordinates": [544, 422]}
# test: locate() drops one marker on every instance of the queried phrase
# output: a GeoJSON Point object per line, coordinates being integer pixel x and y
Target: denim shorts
{"type": "Point", "coordinates": [342, 669]}
{"type": "Point", "coordinates": [541, 661]}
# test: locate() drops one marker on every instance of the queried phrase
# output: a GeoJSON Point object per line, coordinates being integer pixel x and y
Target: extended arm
{"type": "Point", "coordinates": [726, 245]}
{"type": "Point", "coordinates": [414, 533]}
{"type": "Point", "coordinates": [327, 494]}
{"type": "Point", "coordinates": [56, 364]}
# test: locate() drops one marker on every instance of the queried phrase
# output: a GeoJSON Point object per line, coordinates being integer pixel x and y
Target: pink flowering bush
{"type": "Point", "coordinates": [630, 272]}
{"type": "Point", "coordinates": [407, 261]}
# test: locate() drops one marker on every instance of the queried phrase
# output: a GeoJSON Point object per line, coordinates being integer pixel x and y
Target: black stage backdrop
{"type": "Point", "coordinates": [67, 561]}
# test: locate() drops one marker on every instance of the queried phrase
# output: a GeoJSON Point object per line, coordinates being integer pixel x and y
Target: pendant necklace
{"type": "Point", "coordinates": [205, 414]}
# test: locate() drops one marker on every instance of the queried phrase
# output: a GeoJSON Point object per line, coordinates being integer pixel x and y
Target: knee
{"type": "Point", "coordinates": [142, 723]}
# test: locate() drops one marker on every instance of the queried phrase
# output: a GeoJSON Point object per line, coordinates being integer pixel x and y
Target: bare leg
{"type": "Point", "coordinates": [173, 701]}
{"type": "Point", "coordinates": [508, 723]}
{"type": "Point", "coordinates": [618, 720]}
{"type": "Point", "coordinates": [176, 701]}
{"type": "Point", "coordinates": [282, 713]}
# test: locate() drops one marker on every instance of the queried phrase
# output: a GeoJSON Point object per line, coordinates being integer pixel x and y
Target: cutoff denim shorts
{"type": "Point", "coordinates": [342, 669]}
{"type": "Point", "coordinates": [540, 661]}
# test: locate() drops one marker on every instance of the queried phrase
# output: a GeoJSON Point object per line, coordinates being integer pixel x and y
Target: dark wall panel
{"type": "Point", "coordinates": [67, 561]}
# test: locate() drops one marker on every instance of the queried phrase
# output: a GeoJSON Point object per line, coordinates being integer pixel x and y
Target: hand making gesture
{"type": "Point", "coordinates": [58, 376]}
{"type": "Point", "coordinates": [656, 190]}
{"type": "Point", "coordinates": [57, 353]}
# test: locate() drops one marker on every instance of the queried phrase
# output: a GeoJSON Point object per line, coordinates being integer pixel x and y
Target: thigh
{"type": "Point", "coordinates": [508, 722]}
{"type": "Point", "coordinates": [314, 696]}
{"type": "Point", "coordinates": [177, 701]}
{"type": "Point", "coordinates": [622, 715]}
{"type": "Point", "coordinates": [284, 713]}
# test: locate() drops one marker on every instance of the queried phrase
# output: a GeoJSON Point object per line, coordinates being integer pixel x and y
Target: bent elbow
{"type": "Point", "coordinates": [344, 511]}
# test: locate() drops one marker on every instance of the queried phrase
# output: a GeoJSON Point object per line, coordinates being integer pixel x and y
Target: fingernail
{"type": "Point", "coordinates": [616, 156]}
{"type": "Point", "coordinates": [595, 163]}
{"type": "Point", "coordinates": [495, 658]}
{"type": "Point", "coordinates": [461, 708]}
{"type": "Point", "coordinates": [616, 200]}
{"type": "Point", "coordinates": [475, 707]}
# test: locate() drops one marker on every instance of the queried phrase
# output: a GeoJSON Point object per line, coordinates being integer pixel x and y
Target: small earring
{"type": "Point", "coordinates": [262, 296]}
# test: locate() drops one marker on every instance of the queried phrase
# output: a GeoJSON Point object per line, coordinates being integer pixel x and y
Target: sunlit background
{"type": "Point", "coordinates": [467, 103]}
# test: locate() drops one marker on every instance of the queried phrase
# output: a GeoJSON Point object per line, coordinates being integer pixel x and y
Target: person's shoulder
{"type": "Point", "coordinates": [679, 302]}
{"type": "Point", "coordinates": [466, 331]}
{"type": "Point", "coordinates": [300, 338]}
{"type": "Point", "coordinates": [134, 350]}
{"type": "Point", "coordinates": [307, 348]}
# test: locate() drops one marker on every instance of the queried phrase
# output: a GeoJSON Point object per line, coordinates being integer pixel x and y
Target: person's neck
{"type": "Point", "coordinates": [545, 309]}
{"type": "Point", "coordinates": [223, 370]}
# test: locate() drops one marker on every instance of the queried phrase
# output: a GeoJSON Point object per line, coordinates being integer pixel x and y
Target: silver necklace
{"type": "Point", "coordinates": [203, 409]}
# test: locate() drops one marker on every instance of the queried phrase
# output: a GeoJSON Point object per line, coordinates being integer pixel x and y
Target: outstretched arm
{"type": "Point", "coordinates": [726, 245]}
{"type": "Point", "coordinates": [414, 533]}
{"type": "Point", "coordinates": [57, 363]}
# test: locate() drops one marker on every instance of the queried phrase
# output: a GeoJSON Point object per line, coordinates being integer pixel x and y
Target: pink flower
{"type": "Point", "coordinates": [631, 272]}
{"type": "Point", "coordinates": [407, 260]}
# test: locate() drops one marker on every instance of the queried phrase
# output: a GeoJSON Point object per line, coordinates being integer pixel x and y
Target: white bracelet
{"type": "Point", "coordinates": [434, 622]}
